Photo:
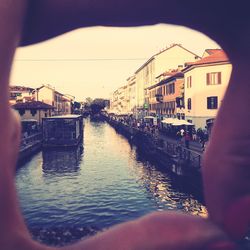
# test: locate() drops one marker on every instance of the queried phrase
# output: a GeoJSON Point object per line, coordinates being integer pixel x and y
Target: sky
{"type": "Point", "coordinates": [94, 62]}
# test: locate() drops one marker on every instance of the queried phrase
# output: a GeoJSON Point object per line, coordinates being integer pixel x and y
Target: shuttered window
{"type": "Point", "coordinates": [212, 102]}
{"type": "Point", "coordinates": [189, 82]}
{"type": "Point", "coordinates": [213, 78]}
{"type": "Point", "coordinates": [189, 104]}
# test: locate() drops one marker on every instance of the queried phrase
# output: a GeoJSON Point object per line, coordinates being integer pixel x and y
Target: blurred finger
{"type": "Point", "coordinates": [226, 168]}
{"type": "Point", "coordinates": [161, 230]}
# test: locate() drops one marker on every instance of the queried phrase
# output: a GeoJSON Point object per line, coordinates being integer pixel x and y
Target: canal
{"type": "Point", "coordinates": [69, 194]}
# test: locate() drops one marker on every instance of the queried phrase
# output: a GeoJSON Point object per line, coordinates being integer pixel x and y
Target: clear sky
{"type": "Point", "coordinates": [93, 62]}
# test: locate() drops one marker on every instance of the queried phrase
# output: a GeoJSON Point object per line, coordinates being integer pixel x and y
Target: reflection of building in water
{"type": "Point", "coordinates": [60, 160]}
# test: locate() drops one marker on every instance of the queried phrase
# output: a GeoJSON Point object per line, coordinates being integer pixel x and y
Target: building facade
{"type": "Point", "coordinates": [131, 82]}
{"type": "Point", "coordinates": [205, 83]}
{"type": "Point", "coordinates": [166, 60]}
{"type": "Point", "coordinates": [21, 94]}
{"type": "Point", "coordinates": [145, 76]}
{"type": "Point", "coordinates": [62, 103]}
{"type": "Point", "coordinates": [166, 97]}
{"type": "Point", "coordinates": [34, 110]}
{"type": "Point", "coordinates": [118, 102]}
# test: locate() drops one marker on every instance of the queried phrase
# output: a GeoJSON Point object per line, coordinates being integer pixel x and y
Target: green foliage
{"type": "Point", "coordinates": [76, 105]}
{"type": "Point", "coordinates": [95, 106]}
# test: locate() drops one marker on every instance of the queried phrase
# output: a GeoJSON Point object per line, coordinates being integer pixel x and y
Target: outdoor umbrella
{"type": "Point", "coordinates": [181, 122]}
{"type": "Point", "coordinates": [168, 120]}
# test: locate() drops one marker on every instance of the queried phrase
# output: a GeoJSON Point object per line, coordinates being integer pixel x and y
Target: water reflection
{"type": "Point", "coordinates": [59, 191]}
{"type": "Point", "coordinates": [177, 169]}
{"type": "Point", "coordinates": [159, 183]}
{"type": "Point", "coordinates": [62, 160]}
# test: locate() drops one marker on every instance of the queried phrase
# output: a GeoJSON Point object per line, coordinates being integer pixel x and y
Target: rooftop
{"type": "Point", "coordinates": [168, 48]}
{"type": "Point", "coordinates": [217, 57]}
{"type": "Point", "coordinates": [20, 88]}
{"type": "Point", "coordinates": [211, 51]}
{"type": "Point", "coordinates": [169, 79]}
{"type": "Point", "coordinates": [32, 105]}
{"type": "Point", "coordinates": [63, 117]}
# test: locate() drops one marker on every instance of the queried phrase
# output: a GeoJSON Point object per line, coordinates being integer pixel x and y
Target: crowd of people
{"type": "Point", "coordinates": [182, 134]}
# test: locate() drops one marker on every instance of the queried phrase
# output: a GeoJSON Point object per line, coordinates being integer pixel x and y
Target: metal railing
{"type": "Point", "coordinates": [30, 140]}
{"type": "Point", "coordinates": [173, 149]}
{"type": "Point", "coordinates": [180, 152]}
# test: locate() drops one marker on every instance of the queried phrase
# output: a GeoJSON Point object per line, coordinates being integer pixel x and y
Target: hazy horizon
{"type": "Point", "coordinates": [93, 62]}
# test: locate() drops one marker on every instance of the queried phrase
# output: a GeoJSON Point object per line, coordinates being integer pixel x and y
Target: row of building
{"type": "Point", "coordinates": [36, 103]}
{"type": "Point", "coordinates": [176, 83]}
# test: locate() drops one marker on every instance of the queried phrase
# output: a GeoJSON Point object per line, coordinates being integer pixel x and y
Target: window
{"type": "Point", "coordinates": [189, 82]}
{"type": "Point", "coordinates": [189, 103]}
{"type": "Point", "coordinates": [173, 105]}
{"type": "Point", "coordinates": [212, 102]}
{"type": "Point", "coordinates": [173, 88]}
{"type": "Point", "coordinates": [213, 78]}
{"type": "Point", "coordinates": [179, 102]}
{"type": "Point", "coordinates": [21, 112]}
{"type": "Point", "coordinates": [33, 112]}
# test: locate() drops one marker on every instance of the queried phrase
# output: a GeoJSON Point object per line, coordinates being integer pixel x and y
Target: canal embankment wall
{"type": "Point", "coordinates": [181, 161]}
{"type": "Point", "coordinates": [29, 146]}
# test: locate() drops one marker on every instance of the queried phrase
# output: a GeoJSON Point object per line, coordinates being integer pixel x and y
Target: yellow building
{"type": "Point", "coordinates": [166, 60]}
{"type": "Point", "coordinates": [60, 102]}
{"type": "Point", "coordinates": [131, 81]}
{"type": "Point", "coordinates": [34, 110]}
{"type": "Point", "coordinates": [205, 83]}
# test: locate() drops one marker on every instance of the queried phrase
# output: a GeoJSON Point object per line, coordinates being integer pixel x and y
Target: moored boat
{"type": "Point", "coordinates": [62, 131]}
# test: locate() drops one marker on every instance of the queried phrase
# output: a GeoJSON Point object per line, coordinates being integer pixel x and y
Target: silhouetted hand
{"type": "Point", "coordinates": [226, 169]}
{"type": "Point", "coordinates": [226, 165]}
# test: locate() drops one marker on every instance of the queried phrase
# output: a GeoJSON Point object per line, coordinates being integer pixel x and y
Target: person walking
{"type": "Point", "coordinates": [187, 139]}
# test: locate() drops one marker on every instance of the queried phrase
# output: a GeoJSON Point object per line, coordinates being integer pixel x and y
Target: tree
{"type": "Point", "coordinates": [77, 105]}
{"type": "Point", "coordinates": [97, 105]}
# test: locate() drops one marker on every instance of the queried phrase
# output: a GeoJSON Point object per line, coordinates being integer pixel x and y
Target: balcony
{"type": "Point", "coordinates": [180, 102]}
{"type": "Point", "coordinates": [159, 97]}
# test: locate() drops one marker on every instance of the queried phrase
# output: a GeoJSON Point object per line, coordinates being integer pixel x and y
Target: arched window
{"type": "Point", "coordinates": [21, 112]}
{"type": "Point", "coordinates": [33, 112]}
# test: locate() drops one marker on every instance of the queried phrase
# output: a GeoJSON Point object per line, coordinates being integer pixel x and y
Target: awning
{"type": "Point", "coordinates": [111, 111]}
{"type": "Point", "coordinates": [178, 122]}
{"type": "Point", "coordinates": [149, 117]}
{"type": "Point", "coordinates": [122, 113]}
{"type": "Point", "coordinates": [168, 120]}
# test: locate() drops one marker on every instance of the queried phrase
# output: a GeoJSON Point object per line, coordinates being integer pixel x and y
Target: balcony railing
{"type": "Point", "coordinates": [159, 97]}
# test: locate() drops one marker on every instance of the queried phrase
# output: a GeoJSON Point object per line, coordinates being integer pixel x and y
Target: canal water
{"type": "Point", "coordinates": [69, 194]}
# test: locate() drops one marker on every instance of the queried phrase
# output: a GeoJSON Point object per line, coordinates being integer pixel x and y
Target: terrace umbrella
{"type": "Point", "coordinates": [168, 120]}
{"type": "Point", "coordinates": [149, 117]}
{"type": "Point", "coordinates": [181, 122]}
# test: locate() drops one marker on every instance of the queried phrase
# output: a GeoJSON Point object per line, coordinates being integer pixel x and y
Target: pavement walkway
{"type": "Point", "coordinates": [193, 145]}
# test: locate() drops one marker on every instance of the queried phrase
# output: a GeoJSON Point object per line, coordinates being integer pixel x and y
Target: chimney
{"type": "Point", "coordinates": [180, 67]}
